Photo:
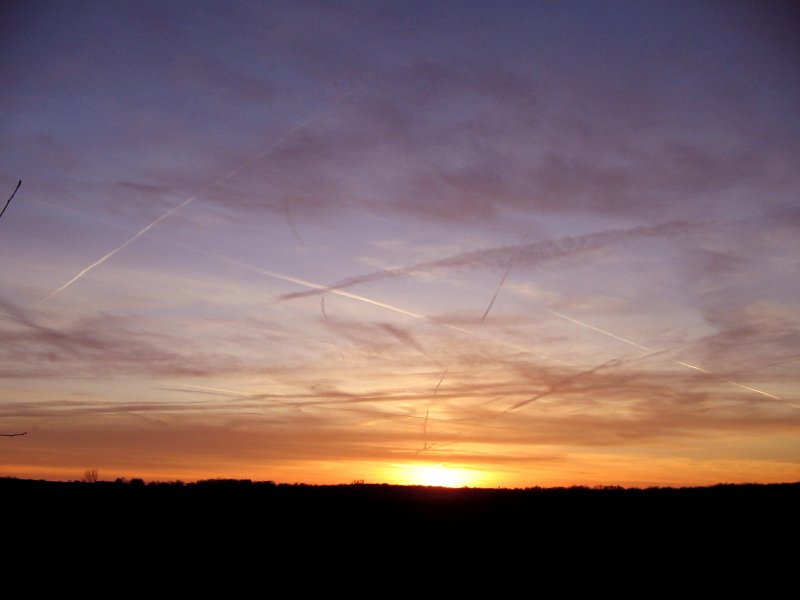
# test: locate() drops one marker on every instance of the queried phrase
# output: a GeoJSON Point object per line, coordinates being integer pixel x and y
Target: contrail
{"type": "Point", "coordinates": [494, 257]}
{"type": "Point", "coordinates": [207, 390]}
{"type": "Point", "coordinates": [345, 294]}
{"type": "Point", "coordinates": [425, 431]}
{"type": "Point", "coordinates": [315, 286]}
{"type": "Point", "coordinates": [556, 386]}
{"type": "Point", "coordinates": [675, 360]}
{"type": "Point", "coordinates": [404, 337]}
{"type": "Point", "coordinates": [130, 240]}
{"type": "Point", "coordinates": [497, 291]}
{"type": "Point", "coordinates": [425, 445]}
{"type": "Point", "coordinates": [296, 280]}
{"type": "Point", "coordinates": [220, 180]}
{"type": "Point", "coordinates": [438, 385]}
{"type": "Point", "coordinates": [322, 308]}
{"type": "Point", "coordinates": [325, 290]}
{"type": "Point", "coordinates": [603, 331]}
{"type": "Point", "coordinates": [614, 362]}
{"type": "Point", "coordinates": [260, 271]}
{"type": "Point", "coordinates": [503, 279]}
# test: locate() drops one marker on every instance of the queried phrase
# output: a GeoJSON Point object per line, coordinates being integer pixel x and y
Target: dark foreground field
{"type": "Point", "coordinates": [235, 507]}
{"type": "Point", "coordinates": [225, 537]}
{"type": "Point", "coordinates": [237, 532]}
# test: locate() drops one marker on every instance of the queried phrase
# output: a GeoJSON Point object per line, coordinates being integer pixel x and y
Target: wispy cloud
{"type": "Point", "coordinates": [96, 345]}
{"type": "Point", "coordinates": [527, 254]}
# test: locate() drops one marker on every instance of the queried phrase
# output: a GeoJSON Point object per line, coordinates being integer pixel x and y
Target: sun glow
{"type": "Point", "coordinates": [438, 475]}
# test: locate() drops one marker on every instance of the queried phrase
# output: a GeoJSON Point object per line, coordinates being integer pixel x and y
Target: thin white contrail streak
{"type": "Point", "coordinates": [675, 360]}
{"type": "Point", "coordinates": [505, 275]}
{"type": "Point", "coordinates": [317, 286]}
{"type": "Point", "coordinates": [357, 297]}
{"type": "Point", "coordinates": [352, 296]}
{"type": "Point", "coordinates": [103, 259]}
{"type": "Point", "coordinates": [296, 280]}
{"type": "Point", "coordinates": [533, 253]}
{"type": "Point", "coordinates": [220, 180]}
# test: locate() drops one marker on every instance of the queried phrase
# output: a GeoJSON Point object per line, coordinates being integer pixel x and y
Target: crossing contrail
{"type": "Point", "coordinates": [532, 253]}
{"type": "Point", "coordinates": [220, 180]}
{"type": "Point", "coordinates": [674, 360]}
{"type": "Point", "coordinates": [557, 386]}
{"type": "Point", "coordinates": [249, 267]}
{"type": "Point", "coordinates": [316, 287]}
{"type": "Point", "coordinates": [425, 445]}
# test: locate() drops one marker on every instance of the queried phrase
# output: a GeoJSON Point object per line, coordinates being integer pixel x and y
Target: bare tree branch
{"type": "Point", "coordinates": [19, 183]}
{"type": "Point", "coordinates": [9, 200]}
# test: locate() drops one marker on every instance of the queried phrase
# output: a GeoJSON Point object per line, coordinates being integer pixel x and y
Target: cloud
{"type": "Point", "coordinates": [770, 327]}
{"type": "Point", "coordinates": [619, 406]}
{"type": "Point", "coordinates": [402, 335]}
{"type": "Point", "coordinates": [524, 254]}
{"type": "Point", "coordinates": [99, 345]}
{"type": "Point", "coordinates": [447, 125]}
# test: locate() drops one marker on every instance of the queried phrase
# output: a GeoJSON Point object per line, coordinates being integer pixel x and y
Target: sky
{"type": "Point", "coordinates": [461, 243]}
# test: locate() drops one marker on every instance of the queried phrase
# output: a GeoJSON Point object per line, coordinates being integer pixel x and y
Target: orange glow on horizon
{"type": "Point", "coordinates": [438, 475]}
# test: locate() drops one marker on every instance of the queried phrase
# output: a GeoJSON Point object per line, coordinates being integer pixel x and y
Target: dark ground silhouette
{"type": "Point", "coordinates": [381, 509]}
{"type": "Point", "coordinates": [343, 536]}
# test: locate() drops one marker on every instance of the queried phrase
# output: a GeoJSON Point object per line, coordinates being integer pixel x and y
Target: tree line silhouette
{"type": "Point", "coordinates": [297, 508]}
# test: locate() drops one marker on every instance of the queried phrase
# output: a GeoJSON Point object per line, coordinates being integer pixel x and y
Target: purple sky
{"type": "Point", "coordinates": [263, 240]}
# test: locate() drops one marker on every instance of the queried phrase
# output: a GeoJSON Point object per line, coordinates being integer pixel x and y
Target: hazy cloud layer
{"type": "Point", "coordinates": [524, 254]}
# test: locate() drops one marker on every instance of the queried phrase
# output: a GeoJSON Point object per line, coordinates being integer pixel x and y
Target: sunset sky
{"type": "Point", "coordinates": [469, 243]}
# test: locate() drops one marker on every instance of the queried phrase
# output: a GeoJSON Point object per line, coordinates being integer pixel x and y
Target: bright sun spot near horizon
{"type": "Point", "coordinates": [438, 475]}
